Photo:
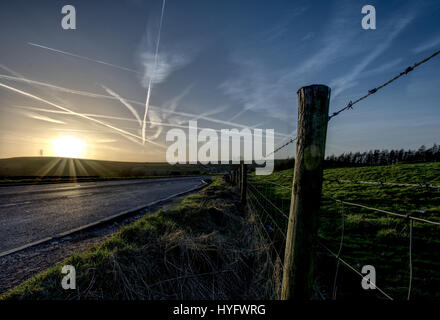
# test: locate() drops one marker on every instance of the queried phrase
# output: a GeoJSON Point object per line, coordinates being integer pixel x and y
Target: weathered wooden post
{"type": "Point", "coordinates": [239, 177]}
{"type": "Point", "coordinates": [243, 170]}
{"type": "Point", "coordinates": [299, 258]}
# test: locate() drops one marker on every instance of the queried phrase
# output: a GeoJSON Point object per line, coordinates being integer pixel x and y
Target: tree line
{"type": "Point", "coordinates": [372, 158]}
{"type": "Point", "coordinates": [384, 157]}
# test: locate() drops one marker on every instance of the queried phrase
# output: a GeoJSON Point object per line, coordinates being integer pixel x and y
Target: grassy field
{"type": "Point", "coordinates": [370, 237]}
{"type": "Point", "coordinates": [207, 242]}
{"type": "Point", "coordinates": [203, 248]}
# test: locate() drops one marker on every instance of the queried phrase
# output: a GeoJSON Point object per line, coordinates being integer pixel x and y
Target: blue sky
{"type": "Point", "coordinates": [227, 64]}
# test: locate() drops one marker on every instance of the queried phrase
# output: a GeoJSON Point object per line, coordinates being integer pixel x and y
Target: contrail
{"type": "Point", "coordinates": [123, 132]}
{"type": "Point", "coordinates": [147, 102]}
{"type": "Point", "coordinates": [238, 114]}
{"type": "Point", "coordinates": [163, 124]}
{"type": "Point", "coordinates": [30, 82]}
{"type": "Point", "coordinates": [102, 96]}
{"type": "Point", "coordinates": [83, 57]}
{"type": "Point", "coordinates": [43, 118]}
{"type": "Point", "coordinates": [125, 103]}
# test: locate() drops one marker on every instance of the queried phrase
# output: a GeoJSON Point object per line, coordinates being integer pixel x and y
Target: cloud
{"type": "Point", "coordinates": [125, 103]}
{"type": "Point", "coordinates": [164, 111]}
{"type": "Point", "coordinates": [432, 43]}
{"type": "Point", "coordinates": [395, 28]}
{"type": "Point", "coordinates": [42, 118]}
{"type": "Point", "coordinates": [283, 25]}
{"type": "Point", "coordinates": [113, 128]}
{"type": "Point", "coordinates": [105, 140]}
{"type": "Point", "coordinates": [308, 36]}
{"type": "Point", "coordinates": [259, 86]}
{"type": "Point", "coordinates": [167, 63]}
{"type": "Point", "coordinates": [82, 57]}
{"type": "Point", "coordinates": [173, 103]}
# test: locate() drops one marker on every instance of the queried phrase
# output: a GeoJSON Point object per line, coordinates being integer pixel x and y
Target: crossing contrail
{"type": "Point", "coordinates": [147, 102]}
{"type": "Point", "coordinates": [125, 103]}
{"type": "Point", "coordinates": [120, 131]}
{"type": "Point", "coordinates": [102, 96]}
{"type": "Point", "coordinates": [82, 57]}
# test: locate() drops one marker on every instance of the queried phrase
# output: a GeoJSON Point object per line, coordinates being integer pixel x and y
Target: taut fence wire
{"type": "Point", "coordinates": [270, 208]}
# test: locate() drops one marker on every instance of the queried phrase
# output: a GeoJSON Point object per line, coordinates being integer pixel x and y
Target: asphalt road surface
{"type": "Point", "coordinates": [33, 212]}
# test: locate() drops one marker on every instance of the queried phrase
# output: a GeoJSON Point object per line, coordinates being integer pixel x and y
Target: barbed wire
{"type": "Point", "coordinates": [370, 92]}
{"type": "Point", "coordinates": [262, 226]}
{"type": "Point", "coordinates": [282, 146]}
{"type": "Point", "coordinates": [374, 90]}
{"type": "Point", "coordinates": [276, 184]}
{"type": "Point", "coordinates": [253, 200]}
{"type": "Point", "coordinates": [339, 251]}
{"type": "Point", "coordinates": [407, 216]}
{"type": "Point", "coordinates": [411, 225]}
{"type": "Point", "coordinates": [255, 194]}
{"type": "Point", "coordinates": [396, 184]}
{"type": "Point", "coordinates": [271, 218]}
{"type": "Point", "coordinates": [270, 202]}
{"type": "Point", "coordinates": [283, 175]}
{"type": "Point", "coordinates": [353, 269]}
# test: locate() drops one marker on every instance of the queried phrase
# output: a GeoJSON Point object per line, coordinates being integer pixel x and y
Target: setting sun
{"type": "Point", "coordinates": [68, 146]}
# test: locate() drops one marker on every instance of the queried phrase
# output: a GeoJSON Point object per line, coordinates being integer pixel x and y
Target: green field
{"type": "Point", "coordinates": [370, 237]}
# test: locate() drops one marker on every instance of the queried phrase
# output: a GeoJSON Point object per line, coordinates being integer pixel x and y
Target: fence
{"type": "Point", "coordinates": [293, 237]}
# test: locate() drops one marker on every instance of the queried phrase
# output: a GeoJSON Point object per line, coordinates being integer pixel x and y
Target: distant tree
{"type": "Point", "coordinates": [384, 157]}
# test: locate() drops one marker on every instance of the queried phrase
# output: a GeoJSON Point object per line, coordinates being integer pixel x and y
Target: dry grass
{"type": "Point", "coordinates": [207, 248]}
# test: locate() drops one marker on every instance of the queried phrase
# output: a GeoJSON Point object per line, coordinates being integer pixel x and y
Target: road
{"type": "Point", "coordinates": [29, 213]}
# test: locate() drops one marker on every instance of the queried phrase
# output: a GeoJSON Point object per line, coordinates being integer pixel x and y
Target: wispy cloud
{"type": "Point", "coordinates": [82, 57]}
{"type": "Point", "coordinates": [151, 75]}
{"type": "Point", "coordinates": [430, 44]}
{"type": "Point", "coordinates": [257, 87]}
{"type": "Point", "coordinates": [173, 103]}
{"type": "Point", "coordinates": [166, 111]}
{"type": "Point", "coordinates": [42, 118]}
{"type": "Point", "coordinates": [109, 126]}
{"type": "Point", "coordinates": [125, 103]}
{"type": "Point", "coordinates": [347, 81]}
{"type": "Point", "coordinates": [281, 27]}
{"type": "Point", "coordinates": [105, 140]}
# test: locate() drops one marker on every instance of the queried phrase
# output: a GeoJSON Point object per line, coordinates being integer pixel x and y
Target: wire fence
{"type": "Point", "coordinates": [273, 218]}
{"type": "Point", "coordinates": [382, 183]}
{"type": "Point", "coordinates": [269, 200]}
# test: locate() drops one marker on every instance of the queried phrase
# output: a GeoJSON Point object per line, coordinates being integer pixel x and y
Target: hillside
{"type": "Point", "coordinates": [47, 167]}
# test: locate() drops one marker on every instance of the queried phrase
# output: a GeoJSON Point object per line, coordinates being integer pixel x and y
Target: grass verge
{"type": "Point", "coordinates": [204, 248]}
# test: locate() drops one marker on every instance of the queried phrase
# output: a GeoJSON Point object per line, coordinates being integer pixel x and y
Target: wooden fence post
{"type": "Point", "coordinates": [239, 177]}
{"type": "Point", "coordinates": [243, 169]}
{"type": "Point", "coordinates": [299, 257]}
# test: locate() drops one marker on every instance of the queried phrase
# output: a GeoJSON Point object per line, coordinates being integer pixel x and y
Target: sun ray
{"type": "Point", "coordinates": [81, 170]}
{"type": "Point", "coordinates": [44, 171]}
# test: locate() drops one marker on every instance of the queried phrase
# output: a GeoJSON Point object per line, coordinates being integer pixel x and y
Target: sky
{"type": "Point", "coordinates": [227, 64]}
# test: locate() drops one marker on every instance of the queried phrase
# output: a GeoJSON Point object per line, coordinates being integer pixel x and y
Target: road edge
{"type": "Point", "coordinates": [101, 222]}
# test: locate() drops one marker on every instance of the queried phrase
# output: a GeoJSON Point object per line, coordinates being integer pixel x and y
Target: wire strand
{"type": "Point", "coordinates": [373, 91]}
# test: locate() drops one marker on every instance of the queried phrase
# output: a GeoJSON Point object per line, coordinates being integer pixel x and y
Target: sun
{"type": "Point", "coordinates": [68, 147]}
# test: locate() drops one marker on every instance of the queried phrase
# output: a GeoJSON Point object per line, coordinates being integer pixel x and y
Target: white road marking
{"type": "Point", "coordinates": [14, 204]}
